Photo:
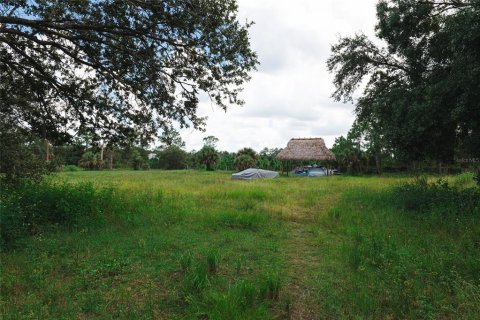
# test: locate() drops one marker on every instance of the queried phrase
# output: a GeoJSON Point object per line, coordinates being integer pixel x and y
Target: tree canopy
{"type": "Point", "coordinates": [421, 81]}
{"type": "Point", "coordinates": [115, 68]}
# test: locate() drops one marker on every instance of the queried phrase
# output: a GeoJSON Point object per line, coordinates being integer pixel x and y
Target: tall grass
{"type": "Point", "coordinates": [196, 245]}
{"type": "Point", "coordinates": [422, 196]}
{"type": "Point", "coordinates": [411, 251]}
{"type": "Point", "coordinates": [33, 207]}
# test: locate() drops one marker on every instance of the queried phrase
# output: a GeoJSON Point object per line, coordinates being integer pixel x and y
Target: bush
{"type": "Point", "coordinates": [172, 158]}
{"type": "Point", "coordinates": [476, 177]}
{"type": "Point", "coordinates": [91, 161]}
{"type": "Point", "coordinates": [31, 207]}
{"type": "Point", "coordinates": [421, 196]}
{"type": "Point", "coordinates": [71, 168]}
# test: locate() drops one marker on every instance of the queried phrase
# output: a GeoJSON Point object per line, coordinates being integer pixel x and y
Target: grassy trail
{"type": "Point", "coordinates": [304, 254]}
{"type": "Point", "coordinates": [301, 255]}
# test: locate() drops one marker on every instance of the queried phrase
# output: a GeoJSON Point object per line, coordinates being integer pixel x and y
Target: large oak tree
{"type": "Point", "coordinates": [421, 80]}
{"type": "Point", "coordinates": [118, 67]}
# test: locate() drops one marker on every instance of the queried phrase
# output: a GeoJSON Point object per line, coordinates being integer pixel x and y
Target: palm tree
{"type": "Point", "coordinates": [208, 156]}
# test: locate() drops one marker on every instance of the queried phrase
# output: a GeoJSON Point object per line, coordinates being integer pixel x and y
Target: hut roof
{"type": "Point", "coordinates": [306, 149]}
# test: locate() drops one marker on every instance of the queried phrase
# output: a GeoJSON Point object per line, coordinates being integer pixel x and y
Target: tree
{"type": "Point", "coordinates": [244, 161]}
{"type": "Point", "coordinates": [248, 152]}
{"type": "Point", "coordinates": [172, 157]}
{"type": "Point", "coordinates": [226, 160]}
{"type": "Point", "coordinates": [210, 141]}
{"type": "Point", "coordinates": [171, 137]}
{"type": "Point", "coordinates": [246, 158]}
{"type": "Point", "coordinates": [19, 157]}
{"type": "Point", "coordinates": [91, 161]}
{"type": "Point", "coordinates": [208, 156]}
{"type": "Point", "coordinates": [421, 90]}
{"type": "Point", "coordinates": [138, 161]}
{"type": "Point", "coordinates": [267, 159]}
{"type": "Point", "coordinates": [348, 153]}
{"type": "Point", "coordinates": [118, 68]}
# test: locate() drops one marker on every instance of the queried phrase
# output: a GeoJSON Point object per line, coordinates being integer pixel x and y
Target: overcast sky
{"type": "Point", "coordinates": [289, 95]}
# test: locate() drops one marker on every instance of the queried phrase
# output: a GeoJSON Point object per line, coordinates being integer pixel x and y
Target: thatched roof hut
{"type": "Point", "coordinates": [309, 149]}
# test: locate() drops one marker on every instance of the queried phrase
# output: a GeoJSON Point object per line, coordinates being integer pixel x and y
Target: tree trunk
{"type": "Point", "coordinates": [47, 149]}
{"type": "Point", "coordinates": [110, 160]}
{"type": "Point", "coordinates": [378, 162]}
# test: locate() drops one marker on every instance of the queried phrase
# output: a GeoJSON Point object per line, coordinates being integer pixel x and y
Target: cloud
{"type": "Point", "coordinates": [289, 95]}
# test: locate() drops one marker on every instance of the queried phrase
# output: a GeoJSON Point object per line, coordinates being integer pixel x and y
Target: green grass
{"type": "Point", "coordinates": [191, 244]}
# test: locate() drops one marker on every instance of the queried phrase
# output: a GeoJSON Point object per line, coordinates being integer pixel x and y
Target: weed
{"type": "Point", "coordinates": [196, 278]}
{"type": "Point", "coordinates": [463, 179]}
{"type": "Point", "coordinates": [185, 261]}
{"type": "Point", "coordinates": [270, 287]}
{"type": "Point", "coordinates": [212, 261]}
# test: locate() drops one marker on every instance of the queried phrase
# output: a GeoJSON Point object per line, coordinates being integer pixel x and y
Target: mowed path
{"type": "Point", "coordinates": [303, 255]}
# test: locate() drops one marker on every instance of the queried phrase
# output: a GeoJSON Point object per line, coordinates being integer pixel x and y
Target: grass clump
{"type": "Point", "coordinates": [240, 220]}
{"type": "Point", "coordinates": [243, 300]}
{"type": "Point", "coordinates": [32, 207]}
{"type": "Point", "coordinates": [197, 272]}
{"type": "Point", "coordinates": [209, 294]}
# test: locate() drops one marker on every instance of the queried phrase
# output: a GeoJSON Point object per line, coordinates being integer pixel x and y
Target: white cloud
{"type": "Point", "coordinates": [289, 95]}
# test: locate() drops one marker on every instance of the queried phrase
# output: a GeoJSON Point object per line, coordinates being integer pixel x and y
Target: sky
{"type": "Point", "coordinates": [289, 96]}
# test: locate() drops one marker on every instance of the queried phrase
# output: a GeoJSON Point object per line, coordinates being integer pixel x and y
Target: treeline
{"type": "Point", "coordinates": [170, 155]}
{"type": "Point", "coordinates": [355, 154]}
{"type": "Point", "coordinates": [359, 153]}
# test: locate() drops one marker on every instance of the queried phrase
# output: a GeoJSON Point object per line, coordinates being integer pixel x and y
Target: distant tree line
{"type": "Point", "coordinates": [83, 153]}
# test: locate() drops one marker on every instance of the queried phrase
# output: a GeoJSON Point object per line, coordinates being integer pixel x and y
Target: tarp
{"type": "Point", "coordinates": [253, 173]}
{"type": "Point", "coordinates": [317, 172]}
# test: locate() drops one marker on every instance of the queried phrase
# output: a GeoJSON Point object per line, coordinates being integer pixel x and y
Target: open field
{"type": "Point", "coordinates": [196, 245]}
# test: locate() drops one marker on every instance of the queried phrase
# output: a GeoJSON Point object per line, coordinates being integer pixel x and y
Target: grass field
{"type": "Point", "coordinates": [197, 245]}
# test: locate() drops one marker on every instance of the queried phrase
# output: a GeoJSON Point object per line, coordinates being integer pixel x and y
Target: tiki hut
{"type": "Point", "coordinates": [305, 149]}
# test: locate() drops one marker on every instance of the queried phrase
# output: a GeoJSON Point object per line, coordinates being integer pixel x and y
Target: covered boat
{"type": "Point", "coordinates": [252, 173]}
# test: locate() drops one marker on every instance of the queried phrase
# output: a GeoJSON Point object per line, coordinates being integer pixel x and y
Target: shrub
{"type": "Point", "coordinates": [71, 168]}
{"type": "Point", "coordinates": [137, 162]}
{"type": "Point", "coordinates": [476, 176]}
{"type": "Point", "coordinates": [91, 161]}
{"type": "Point", "coordinates": [172, 158]}
{"type": "Point", "coordinates": [421, 196]}
{"type": "Point", "coordinates": [29, 208]}
{"type": "Point", "coordinates": [463, 179]}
